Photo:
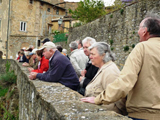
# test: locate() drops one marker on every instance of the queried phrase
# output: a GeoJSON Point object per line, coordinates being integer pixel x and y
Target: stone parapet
{"type": "Point", "coordinates": [40, 100]}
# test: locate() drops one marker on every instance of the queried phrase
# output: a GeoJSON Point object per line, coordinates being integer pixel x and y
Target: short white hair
{"type": "Point", "coordinates": [64, 51]}
{"type": "Point", "coordinates": [88, 39]}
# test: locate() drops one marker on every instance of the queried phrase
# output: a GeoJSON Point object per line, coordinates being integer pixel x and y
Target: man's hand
{"type": "Point", "coordinates": [33, 75]}
{"type": "Point", "coordinates": [88, 99]}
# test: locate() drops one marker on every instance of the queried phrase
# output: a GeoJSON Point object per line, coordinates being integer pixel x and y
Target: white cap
{"type": "Point", "coordinates": [34, 50]}
{"type": "Point", "coordinates": [48, 45]}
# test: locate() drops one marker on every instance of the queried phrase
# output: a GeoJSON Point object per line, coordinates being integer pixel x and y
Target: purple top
{"type": "Point", "coordinates": [60, 70]}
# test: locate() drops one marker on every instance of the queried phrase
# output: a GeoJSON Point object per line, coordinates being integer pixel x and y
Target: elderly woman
{"type": "Point", "coordinates": [101, 57]}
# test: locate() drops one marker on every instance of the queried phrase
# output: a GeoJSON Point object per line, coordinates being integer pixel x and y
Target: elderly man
{"type": "Point", "coordinates": [80, 45]}
{"type": "Point", "coordinates": [77, 58]}
{"type": "Point", "coordinates": [140, 77]}
{"type": "Point", "coordinates": [60, 68]}
{"type": "Point", "coordinates": [90, 70]}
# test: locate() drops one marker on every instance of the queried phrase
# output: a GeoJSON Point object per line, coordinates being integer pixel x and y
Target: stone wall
{"type": "Point", "coordinates": [120, 26]}
{"type": "Point", "coordinates": [52, 101]}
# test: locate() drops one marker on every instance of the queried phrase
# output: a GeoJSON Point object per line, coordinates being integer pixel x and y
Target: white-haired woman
{"type": "Point", "coordinates": [102, 57]}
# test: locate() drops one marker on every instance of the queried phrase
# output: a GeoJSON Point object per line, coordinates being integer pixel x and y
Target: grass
{"type": "Point", "coordinates": [3, 91]}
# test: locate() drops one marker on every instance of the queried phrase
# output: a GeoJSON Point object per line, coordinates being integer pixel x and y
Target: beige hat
{"type": "Point", "coordinates": [34, 50]}
{"type": "Point", "coordinates": [48, 45]}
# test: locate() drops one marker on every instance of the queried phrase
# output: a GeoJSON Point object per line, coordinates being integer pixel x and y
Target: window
{"type": "Point", "coordinates": [39, 43]}
{"type": "Point", "coordinates": [23, 26]}
{"type": "Point", "coordinates": [31, 1]}
{"type": "Point", "coordinates": [57, 11]}
{"type": "Point", "coordinates": [50, 29]}
{"type": "Point", "coordinates": [48, 9]}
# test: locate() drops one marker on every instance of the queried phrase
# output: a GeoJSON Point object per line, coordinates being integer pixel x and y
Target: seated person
{"type": "Point", "coordinates": [60, 68]}
{"type": "Point", "coordinates": [43, 64]}
{"type": "Point", "coordinates": [101, 57]}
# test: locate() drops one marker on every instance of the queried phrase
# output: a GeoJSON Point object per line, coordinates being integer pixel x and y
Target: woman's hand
{"type": "Point", "coordinates": [88, 99]}
{"type": "Point", "coordinates": [30, 69]}
{"type": "Point", "coordinates": [25, 64]}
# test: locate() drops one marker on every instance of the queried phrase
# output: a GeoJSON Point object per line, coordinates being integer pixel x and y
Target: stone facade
{"type": "Point", "coordinates": [120, 27]}
{"type": "Point", "coordinates": [36, 17]}
{"type": "Point", "coordinates": [52, 101]}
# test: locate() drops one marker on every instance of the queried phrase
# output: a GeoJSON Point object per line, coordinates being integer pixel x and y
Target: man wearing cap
{"type": "Point", "coordinates": [60, 68]}
{"type": "Point", "coordinates": [45, 40]}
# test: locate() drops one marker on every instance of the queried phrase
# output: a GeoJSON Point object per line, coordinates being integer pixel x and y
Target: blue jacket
{"type": "Point", "coordinates": [24, 59]}
{"type": "Point", "coordinates": [60, 70]}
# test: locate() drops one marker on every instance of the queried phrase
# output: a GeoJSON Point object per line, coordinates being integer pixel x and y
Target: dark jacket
{"type": "Point", "coordinates": [60, 70]}
{"type": "Point", "coordinates": [24, 59]}
{"type": "Point", "coordinates": [91, 72]}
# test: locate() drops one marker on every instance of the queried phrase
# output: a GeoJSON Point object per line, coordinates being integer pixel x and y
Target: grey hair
{"type": "Point", "coordinates": [73, 45]}
{"type": "Point", "coordinates": [64, 51]}
{"type": "Point", "coordinates": [103, 48]}
{"type": "Point", "coordinates": [88, 39]}
{"type": "Point", "coordinates": [54, 49]}
{"type": "Point", "coordinates": [152, 22]}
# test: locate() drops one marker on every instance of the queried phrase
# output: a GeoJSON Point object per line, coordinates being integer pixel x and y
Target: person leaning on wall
{"type": "Point", "coordinates": [60, 69]}
{"type": "Point", "coordinates": [139, 79]}
{"type": "Point", "coordinates": [102, 57]}
{"type": "Point", "coordinates": [43, 64]}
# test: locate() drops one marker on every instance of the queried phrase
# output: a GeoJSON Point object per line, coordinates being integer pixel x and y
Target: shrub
{"type": "Point", "coordinates": [3, 91]}
{"type": "Point", "coordinates": [133, 45]}
{"type": "Point", "coordinates": [112, 48]}
{"type": "Point", "coordinates": [111, 42]}
{"type": "Point", "coordinates": [126, 48]}
{"type": "Point", "coordinates": [111, 16]}
{"type": "Point", "coordinates": [9, 77]}
{"type": "Point", "coordinates": [77, 24]}
{"type": "Point", "coordinates": [121, 11]}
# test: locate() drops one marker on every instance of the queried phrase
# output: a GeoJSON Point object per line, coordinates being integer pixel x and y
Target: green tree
{"type": "Point", "coordinates": [118, 4]}
{"type": "Point", "coordinates": [88, 10]}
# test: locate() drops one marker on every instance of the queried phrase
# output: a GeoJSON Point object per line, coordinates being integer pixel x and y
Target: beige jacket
{"type": "Point", "coordinates": [140, 79]}
{"type": "Point", "coordinates": [105, 75]}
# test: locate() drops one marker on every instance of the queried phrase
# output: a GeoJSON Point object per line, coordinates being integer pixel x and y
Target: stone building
{"type": "Point", "coordinates": [26, 22]}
